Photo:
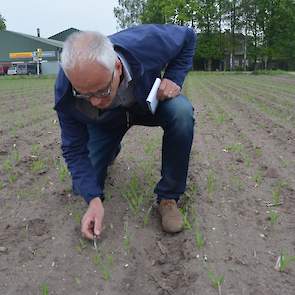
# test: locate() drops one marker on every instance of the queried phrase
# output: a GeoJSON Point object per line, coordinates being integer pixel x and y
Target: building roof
{"type": "Point", "coordinates": [14, 42]}
{"type": "Point", "coordinates": [39, 39]}
{"type": "Point", "coordinates": [62, 36]}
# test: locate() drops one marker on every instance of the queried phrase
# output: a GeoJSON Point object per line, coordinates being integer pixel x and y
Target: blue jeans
{"type": "Point", "coordinates": [175, 116]}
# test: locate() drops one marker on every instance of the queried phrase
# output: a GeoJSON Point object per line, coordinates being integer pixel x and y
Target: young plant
{"type": "Point", "coordinates": [82, 245]}
{"type": "Point", "coordinates": [9, 169]}
{"type": "Point", "coordinates": [38, 166]}
{"type": "Point", "coordinates": [12, 178]}
{"type": "Point", "coordinates": [15, 156]}
{"type": "Point", "coordinates": [276, 192]}
{"type": "Point", "coordinates": [200, 242]}
{"type": "Point", "coordinates": [284, 261]}
{"type": "Point", "coordinates": [216, 281]}
{"type": "Point", "coordinates": [258, 177]}
{"type": "Point", "coordinates": [258, 151]}
{"type": "Point", "coordinates": [7, 166]}
{"type": "Point", "coordinates": [62, 169]}
{"type": "Point", "coordinates": [104, 265]}
{"type": "Point", "coordinates": [273, 217]}
{"type": "Point", "coordinates": [236, 182]}
{"type": "Point", "coordinates": [147, 214]}
{"type": "Point", "coordinates": [77, 215]}
{"type": "Point", "coordinates": [185, 216]}
{"type": "Point", "coordinates": [133, 194]}
{"type": "Point", "coordinates": [211, 184]}
{"type": "Point", "coordinates": [44, 289]}
{"type": "Point", "coordinates": [35, 150]}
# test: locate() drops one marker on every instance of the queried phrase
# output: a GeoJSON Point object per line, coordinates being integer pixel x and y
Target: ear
{"type": "Point", "coordinates": [118, 66]}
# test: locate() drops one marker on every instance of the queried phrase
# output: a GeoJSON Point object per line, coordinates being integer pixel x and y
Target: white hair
{"type": "Point", "coordinates": [88, 46]}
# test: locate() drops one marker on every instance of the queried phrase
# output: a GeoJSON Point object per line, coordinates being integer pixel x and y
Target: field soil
{"type": "Point", "coordinates": [238, 207]}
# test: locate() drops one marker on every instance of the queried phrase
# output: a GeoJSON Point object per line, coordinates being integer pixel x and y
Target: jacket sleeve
{"type": "Point", "coordinates": [160, 47]}
{"type": "Point", "coordinates": [74, 137]}
{"type": "Point", "coordinates": [181, 55]}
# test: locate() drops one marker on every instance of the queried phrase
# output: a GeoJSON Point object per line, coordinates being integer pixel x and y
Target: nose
{"type": "Point", "coordinates": [95, 101]}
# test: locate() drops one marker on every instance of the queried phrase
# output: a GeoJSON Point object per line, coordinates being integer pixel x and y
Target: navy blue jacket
{"type": "Point", "coordinates": [148, 49]}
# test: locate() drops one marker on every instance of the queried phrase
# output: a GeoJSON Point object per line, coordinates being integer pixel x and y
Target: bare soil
{"type": "Point", "coordinates": [240, 197]}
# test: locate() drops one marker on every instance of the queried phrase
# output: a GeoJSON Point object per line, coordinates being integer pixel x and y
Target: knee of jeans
{"type": "Point", "coordinates": [183, 115]}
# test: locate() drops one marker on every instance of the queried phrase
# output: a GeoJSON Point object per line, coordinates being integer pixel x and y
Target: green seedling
{"type": "Point", "coordinates": [62, 169]}
{"type": "Point", "coordinates": [237, 182]}
{"type": "Point", "coordinates": [133, 194]}
{"type": "Point", "coordinates": [235, 148]}
{"type": "Point", "coordinates": [7, 166]}
{"type": "Point", "coordinates": [12, 178]}
{"type": "Point", "coordinates": [147, 215]}
{"type": "Point", "coordinates": [104, 265]}
{"type": "Point", "coordinates": [38, 166]}
{"type": "Point", "coordinates": [35, 150]}
{"type": "Point", "coordinates": [284, 261]}
{"type": "Point", "coordinates": [1, 184]}
{"type": "Point", "coordinates": [77, 280]}
{"type": "Point", "coordinates": [220, 118]}
{"type": "Point", "coordinates": [200, 242]}
{"type": "Point", "coordinates": [185, 216]}
{"type": "Point", "coordinates": [82, 245]}
{"type": "Point", "coordinates": [258, 177]}
{"type": "Point", "coordinates": [151, 146]}
{"type": "Point", "coordinates": [276, 192]}
{"type": "Point", "coordinates": [216, 281]}
{"type": "Point", "coordinates": [273, 217]}
{"type": "Point", "coordinates": [13, 131]}
{"type": "Point", "coordinates": [247, 160]}
{"type": "Point", "coordinates": [108, 196]}
{"type": "Point", "coordinates": [77, 216]}
{"type": "Point", "coordinates": [285, 163]}
{"type": "Point", "coordinates": [44, 289]}
{"type": "Point", "coordinates": [239, 149]}
{"type": "Point", "coordinates": [258, 151]}
{"type": "Point", "coordinates": [211, 184]}
{"type": "Point", "coordinates": [15, 156]}
{"type": "Point", "coordinates": [276, 196]}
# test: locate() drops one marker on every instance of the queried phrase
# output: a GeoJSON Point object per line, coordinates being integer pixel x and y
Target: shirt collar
{"type": "Point", "coordinates": [126, 71]}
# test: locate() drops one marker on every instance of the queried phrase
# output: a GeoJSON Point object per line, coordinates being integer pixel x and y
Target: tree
{"type": "Point", "coordinates": [155, 11]}
{"type": "Point", "coordinates": [128, 12]}
{"type": "Point", "coordinates": [2, 23]}
{"type": "Point", "coordinates": [260, 30]}
{"type": "Point", "coordinates": [208, 43]}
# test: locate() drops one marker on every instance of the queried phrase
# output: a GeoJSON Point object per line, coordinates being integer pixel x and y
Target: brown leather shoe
{"type": "Point", "coordinates": [171, 217]}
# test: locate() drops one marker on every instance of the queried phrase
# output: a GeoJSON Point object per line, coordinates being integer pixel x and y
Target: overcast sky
{"type": "Point", "coordinates": [54, 16]}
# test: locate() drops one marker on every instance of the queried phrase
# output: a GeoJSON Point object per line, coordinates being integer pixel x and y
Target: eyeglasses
{"type": "Point", "coordinates": [99, 93]}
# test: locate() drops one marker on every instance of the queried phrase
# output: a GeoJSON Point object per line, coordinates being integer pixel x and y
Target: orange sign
{"type": "Point", "coordinates": [20, 54]}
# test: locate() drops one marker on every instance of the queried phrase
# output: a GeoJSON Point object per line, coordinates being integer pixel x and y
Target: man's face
{"type": "Point", "coordinates": [96, 83]}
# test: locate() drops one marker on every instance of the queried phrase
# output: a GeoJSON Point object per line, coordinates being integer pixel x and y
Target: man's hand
{"type": "Point", "coordinates": [91, 223]}
{"type": "Point", "coordinates": [167, 90]}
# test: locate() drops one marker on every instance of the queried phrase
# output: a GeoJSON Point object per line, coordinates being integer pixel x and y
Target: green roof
{"type": "Point", "coordinates": [62, 36]}
{"type": "Point", "coordinates": [40, 39]}
{"type": "Point", "coordinates": [18, 42]}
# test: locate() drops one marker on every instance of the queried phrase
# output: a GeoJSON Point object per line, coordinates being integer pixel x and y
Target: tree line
{"type": "Point", "coordinates": [2, 23]}
{"type": "Point", "coordinates": [232, 34]}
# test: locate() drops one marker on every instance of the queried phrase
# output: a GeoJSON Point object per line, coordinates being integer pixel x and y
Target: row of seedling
{"type": "Point", "coordinates": [9, 166]}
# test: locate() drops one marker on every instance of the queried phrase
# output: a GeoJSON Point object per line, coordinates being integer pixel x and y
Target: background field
{"type": "Point", "coordinates": [238, 208]}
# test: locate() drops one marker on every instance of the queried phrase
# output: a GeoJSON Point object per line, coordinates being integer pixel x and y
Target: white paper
{"type": "Point", "coordinates": [152, 100]}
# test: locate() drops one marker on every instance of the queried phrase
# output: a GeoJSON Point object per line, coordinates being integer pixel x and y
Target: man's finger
{"type": "Point", "coordinates": [97, 226]}
{"type": "Point", "coordinates": [161, 90]}
{"type": "Point", "coordinates": [86, 229]}
{"type": "Point", "coordinates": [163, 85]}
